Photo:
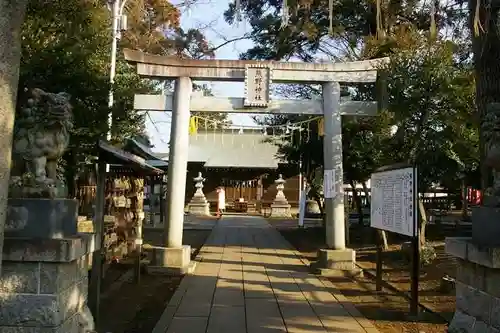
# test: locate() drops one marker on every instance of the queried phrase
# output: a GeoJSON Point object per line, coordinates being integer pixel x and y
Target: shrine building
{"type": "Point", "coordinates": [244, 163]}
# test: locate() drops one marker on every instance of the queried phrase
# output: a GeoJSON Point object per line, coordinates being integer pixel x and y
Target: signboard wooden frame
{"type": "Point", "coordinates": [402, 173]}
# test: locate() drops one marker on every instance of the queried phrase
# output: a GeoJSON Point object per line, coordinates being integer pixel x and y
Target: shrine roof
{"type": "Point", "coordinates": [140, 149]}
{"type": "Point", "coordinates": [233, 150]}
{"type": "Point", "coordinates": [115, 155]}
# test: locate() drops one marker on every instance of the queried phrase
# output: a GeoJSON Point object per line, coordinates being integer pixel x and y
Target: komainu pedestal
{"type": "Point", "coordinates": [43, 286]}
{"type": "Point", "coordinates": [478, 273]}
{"type": "Point", "coordinates": [44, 280]}
{"type": "Point", "coordinates": [477, 287]}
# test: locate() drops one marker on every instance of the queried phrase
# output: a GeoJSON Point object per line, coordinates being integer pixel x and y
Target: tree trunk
{"type": "Point", "coordinates": [11, 19]}
{"type": "Point", "coordinates": [422, 221]}
{"type": "Point", "coordinates": [357, 202]}
{"type": "Point", "coordinates": [381, 233]}
{"type": "Point", "coordinates": [465, 208]}
{"type": "Point", "coordinates": [486, 48]}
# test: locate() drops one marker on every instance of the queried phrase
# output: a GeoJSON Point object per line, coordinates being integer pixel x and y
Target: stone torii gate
{"type": "Point", "coordinates": [257, 76]}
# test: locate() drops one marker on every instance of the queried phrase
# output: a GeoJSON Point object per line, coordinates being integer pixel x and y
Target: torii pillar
{"type": "Point", "coordinates": [176, 257]}
{"type": "Point", "coordinates": [257, 76]}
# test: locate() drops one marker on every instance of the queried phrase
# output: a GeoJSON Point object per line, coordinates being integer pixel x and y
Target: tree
{"type": "Point", "coordinates": [65, 48]}
{"type": "Point", "coordinates": [430, 90]}
{"type": "Point", "coordinates": [310, 36]}
{"type": "Point", "coordinates": [484, 23]}
{"type": "Point", "coordinates": [154, 28]}
{"type": "Point", "coordinates": [11, 18]}
{"type": "Point", "coordinates": [150, 22]}
{"type": "Point", "coordinates": [431, 98]}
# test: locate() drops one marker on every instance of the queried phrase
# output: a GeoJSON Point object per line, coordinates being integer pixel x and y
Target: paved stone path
{"type": "Point", "coordinates": [250, 280]}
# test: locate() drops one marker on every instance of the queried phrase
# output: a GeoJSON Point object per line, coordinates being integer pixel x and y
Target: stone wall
{"type": "Point", "coordinates": [477, 287]}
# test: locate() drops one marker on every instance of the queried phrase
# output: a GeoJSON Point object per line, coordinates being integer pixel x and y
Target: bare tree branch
{"type": "Point", "coordinates": [232, 40]}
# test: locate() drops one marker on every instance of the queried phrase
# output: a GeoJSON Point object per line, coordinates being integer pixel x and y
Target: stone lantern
{"type": "Point", "coordinates": [199, 204]}
{"type": "Point", "coordinates": [280, 206]}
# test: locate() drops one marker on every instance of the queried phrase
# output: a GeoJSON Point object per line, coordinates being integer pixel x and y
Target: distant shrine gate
{"type": "Point", "coordinates": [257, 76]}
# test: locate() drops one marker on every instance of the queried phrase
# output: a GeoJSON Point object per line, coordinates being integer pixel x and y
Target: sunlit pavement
{"type": "Point", "coordinates": [249, 279]}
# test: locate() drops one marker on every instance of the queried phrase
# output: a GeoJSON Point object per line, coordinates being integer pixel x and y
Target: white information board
{"type": "Point", "coordinates": [393, 201]}
{"type": "Point", "coordinates": [329, 189]}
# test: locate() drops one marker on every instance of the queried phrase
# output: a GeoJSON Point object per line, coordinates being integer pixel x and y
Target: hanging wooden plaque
{"type": "Point", "coordinates": [257, 85]}
{"type": "Point", "coordinates": [120, 201]}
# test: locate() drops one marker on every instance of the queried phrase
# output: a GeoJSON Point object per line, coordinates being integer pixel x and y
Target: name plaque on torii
{"type": "Point", "coordinates": [258, 80]}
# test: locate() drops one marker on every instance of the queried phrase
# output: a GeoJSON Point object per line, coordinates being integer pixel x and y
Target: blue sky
{"type": "Point", "coordinates": [207, 15]}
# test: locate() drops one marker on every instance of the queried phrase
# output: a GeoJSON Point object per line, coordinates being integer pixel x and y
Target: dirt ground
{"type": "Point", "coordinates": [388, 309]}
{"type": "Point", "coordinates": [130, 308]}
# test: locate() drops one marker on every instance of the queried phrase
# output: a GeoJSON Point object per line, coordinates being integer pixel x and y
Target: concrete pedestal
{"type": "Point", "coordinates": [485, 228]}
{"type": "Point", "coordinates": [477, 287]}
{"type": "Point", "coordinates": [41, 218]}
{"type": "Point", "coordinates": [43, 285]}
{"type": "Point", "coordinates": [336, 263]}
{"type": "Point", "coordinates": [281, 209]}
{"type": "Point", "coordinates": [171, 261]}
{"type": "Point", "coordinates": [199, 206]}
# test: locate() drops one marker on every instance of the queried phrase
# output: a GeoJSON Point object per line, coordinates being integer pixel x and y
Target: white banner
{"type": "Point", "coordinates": [329, 188]}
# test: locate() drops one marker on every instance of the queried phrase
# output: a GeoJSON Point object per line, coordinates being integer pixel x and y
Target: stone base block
{"type": "Point", "coordinates": [199, 208]}
{"type": "Point", "coordinates": [476, 286]}
{"type": "Point", "coordinates": [44, 288]}
{"type": "Point", "coordinates": [174, 271]}
{"type": "Point", "coordinates": [281, 210]}
{"type": "Point", "coordinates": [342, 261]}
{"type": "Point", "coordinates": [486, 226]}
{"type": "Point", "coordinates": [464, 248]}
{"type": "Point", "coordinates": [41, 218]}
{"type": "Point", "coordinates": [171, 261]}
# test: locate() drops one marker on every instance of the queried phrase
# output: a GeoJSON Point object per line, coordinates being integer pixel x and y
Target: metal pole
{"type": "Point", "coordinates": [178, 159]}
{"type": "Point", "coordinates": [300, 188]}
{"type": "Point", "coordinates": [112, 69]}
{"type": "Point", "coordinates": [332, 150]}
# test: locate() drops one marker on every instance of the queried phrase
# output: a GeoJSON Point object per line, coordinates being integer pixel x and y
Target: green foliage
{"type": "Point", "coordinates": [66, 48]}
{"type": "Point", "coordinates": [431, 98]}
{"type": "Point", "coordinates": [429, 121]}
{"type": "Point", "coordinates": [308, 36]}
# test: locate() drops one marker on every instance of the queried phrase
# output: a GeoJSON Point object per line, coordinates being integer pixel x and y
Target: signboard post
{"type": "Point", "coordinates": [394, 208]}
